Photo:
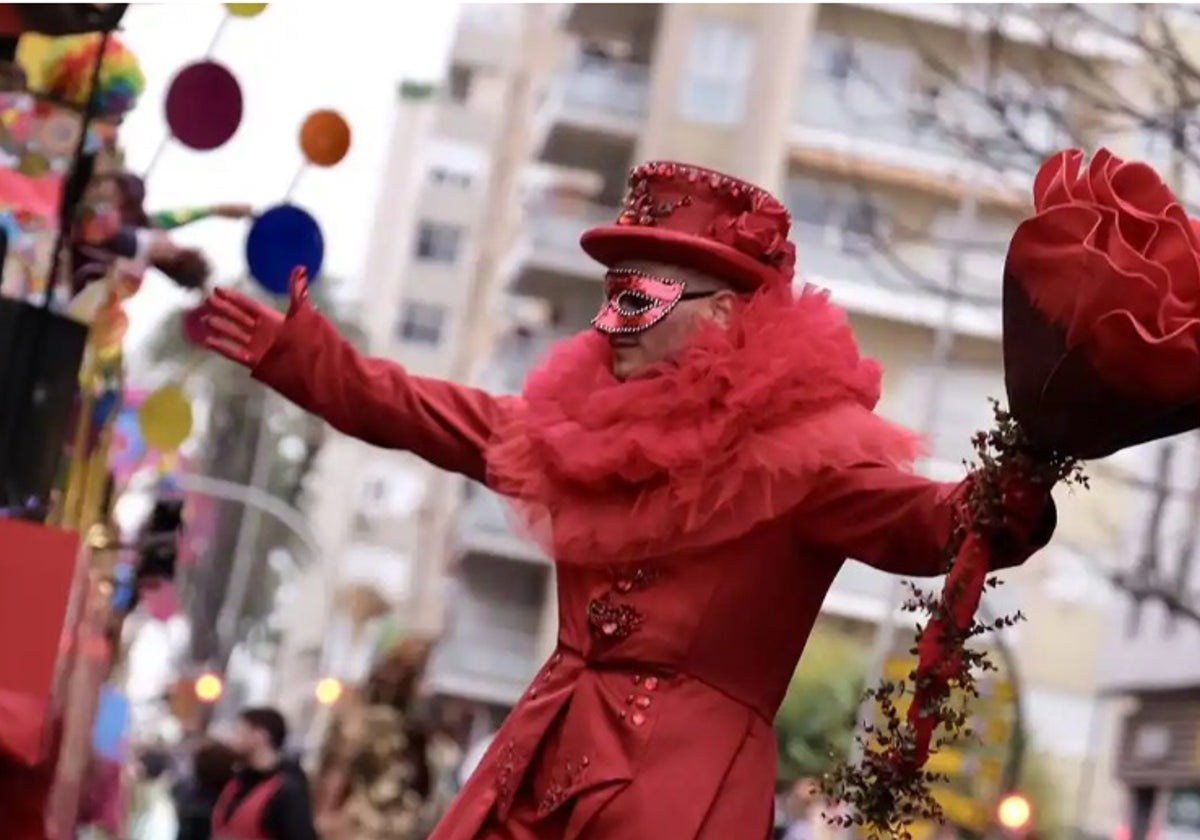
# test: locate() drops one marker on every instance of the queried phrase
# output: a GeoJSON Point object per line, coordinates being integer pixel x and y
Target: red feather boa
{"type": "Point", "coordinates": [728, 435]}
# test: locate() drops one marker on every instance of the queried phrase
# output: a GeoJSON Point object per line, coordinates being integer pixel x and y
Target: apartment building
{"type": "Point", "coordinates": [1151, 667]}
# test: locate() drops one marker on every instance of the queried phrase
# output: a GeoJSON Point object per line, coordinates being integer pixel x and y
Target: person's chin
{"type": "Point", "coordinates": [626, 372]}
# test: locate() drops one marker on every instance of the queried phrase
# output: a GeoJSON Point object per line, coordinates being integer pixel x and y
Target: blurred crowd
{"type": "Point", "coordinates": [385, 769]}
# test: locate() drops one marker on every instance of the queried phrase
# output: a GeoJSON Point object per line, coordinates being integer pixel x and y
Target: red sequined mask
{"type": "Point", "coordinates": [635, 302]}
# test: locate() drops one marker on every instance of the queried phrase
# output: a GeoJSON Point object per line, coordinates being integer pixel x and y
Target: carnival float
{"type": "Point", "coordinates": [75, 243]}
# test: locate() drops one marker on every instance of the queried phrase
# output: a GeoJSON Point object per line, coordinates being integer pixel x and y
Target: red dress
{"type": "Point", "coordinates": [690, 571]}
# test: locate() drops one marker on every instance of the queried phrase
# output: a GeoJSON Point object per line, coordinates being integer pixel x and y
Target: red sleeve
{"type": "Point", "coordinates": [897, 521]}
{"type": "Point", "coordinates": [376, 400]}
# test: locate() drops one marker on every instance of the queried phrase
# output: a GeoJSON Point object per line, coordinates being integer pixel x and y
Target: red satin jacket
{"type": "Point", "coordinates": [653, 718]}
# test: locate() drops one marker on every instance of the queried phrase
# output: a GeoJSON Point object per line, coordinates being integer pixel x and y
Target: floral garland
{"type": "Point", "coordinates": [889, 789]}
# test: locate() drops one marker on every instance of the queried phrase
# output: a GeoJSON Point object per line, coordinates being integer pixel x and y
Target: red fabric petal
{"type": "Point", "coordinates": [1112, 259]}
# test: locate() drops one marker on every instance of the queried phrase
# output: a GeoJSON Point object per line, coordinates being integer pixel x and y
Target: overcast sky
{"type": "Point", "coordinates": [292, 59]}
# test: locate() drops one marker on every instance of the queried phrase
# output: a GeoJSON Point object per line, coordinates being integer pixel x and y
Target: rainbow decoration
{"type": "Point", "coordinates": [67, 73]}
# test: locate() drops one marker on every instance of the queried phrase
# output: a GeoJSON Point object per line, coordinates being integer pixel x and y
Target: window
{"type": "Point", "coordinates": [832, 55]}
{"type": "Point", "coordinates": [442, 175]}
{"type": "Point", "coordinates": [456, 164]}
{"type": "Point", "coordinates": [499, 19]}
{"type": "Point", "coordinates": [460, 83]}
{"type": "Point", "coordinates": [854, 85]}
{"type": "Point", "coordinates": [882, 67]}
{"type": "Point", "coordinates": [716, 74]}
{"type": "Point", "coordinates": [839, 214]}
{"type": "Point", "coordinates": [390, 491]}
{"type": "Point", "coordinates": [862, 220]}
{"type": "Point", "coordinates": [808, 200]}
{"type": "Point", "coordinates": [439, 242]}
{"type": "Point", "coordinates": [421, 322]}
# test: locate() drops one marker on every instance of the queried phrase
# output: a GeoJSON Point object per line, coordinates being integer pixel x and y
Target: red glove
{"type": "Point", "coordinates": [242, 329]}
{"type": "Point", "coordinates": [1028, 508]}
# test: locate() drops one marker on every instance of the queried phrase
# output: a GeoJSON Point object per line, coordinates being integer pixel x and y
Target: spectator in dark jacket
{"type": "Point", "coordinates": [268, 797]}
{"type": "Point", "coordinates": [213, 767]}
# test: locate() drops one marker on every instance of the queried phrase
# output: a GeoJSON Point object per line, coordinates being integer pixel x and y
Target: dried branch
{"type": "Point", "coordinates": [1179, 603]}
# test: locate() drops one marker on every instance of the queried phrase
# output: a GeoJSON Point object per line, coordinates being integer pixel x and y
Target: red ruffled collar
{"type": "Point", "coordinates": [728, 435]}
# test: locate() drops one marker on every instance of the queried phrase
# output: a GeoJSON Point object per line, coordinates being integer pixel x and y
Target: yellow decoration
{"type": "Point", "coordinates": [33, 164]}
{"type": "Point", "coordinates": [246, 10]}
{"type": "Point", "coordinates": [165, 418]}
{"type": "Point", "coordinates": [33, 54]}
{"type": "Point", "coordinates": [109, 328]}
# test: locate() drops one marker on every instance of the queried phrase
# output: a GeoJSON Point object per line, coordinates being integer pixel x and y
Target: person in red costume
{"type": "Point", "coordinates": [699, 465]}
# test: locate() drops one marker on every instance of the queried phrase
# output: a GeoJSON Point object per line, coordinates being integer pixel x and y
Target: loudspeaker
{"type": "Point", "coordinates": [40, 355]}
{"type": "Point", "coordinates": [69, 18]}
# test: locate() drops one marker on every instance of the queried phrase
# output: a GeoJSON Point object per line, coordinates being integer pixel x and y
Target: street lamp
{"type": "Point", "coordinates": [1014, 813]}
{"type": "Point", "coordinates": [329, 691]}
{"type": "Point", "coordinates": [209, 688]}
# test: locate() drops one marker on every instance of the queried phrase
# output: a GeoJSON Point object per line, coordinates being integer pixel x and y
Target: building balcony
{"type": "Point", "coordinates": [514, 356]}
{"type": "Point", "coordinates": [485, 528]}
{"type": "Point", "coordinates": [1031, 23]}
{"type": "Point", "coordinates": [486, 35]}
{"type": "Point", "coordinates": [460, 122]}
{"type": "Point", "coordinates": [854, 126]}
{"type": "Point", "coordinates": [611, 21]}
{"type": "Point", "coordinates": [902, 281]}
{"type": "Point", "coordinates": [593, 113]}
{"type": "Point", "coordinates": [492, 665]}
{"type": "Point", "coordinates": [549, 255]}
{"type": "Point", "coordinates": [489, 651]}
{"type": "Point", "coordinates": [614, 89]}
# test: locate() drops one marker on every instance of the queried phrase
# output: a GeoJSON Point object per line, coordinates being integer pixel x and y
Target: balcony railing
{"type": "Point", "coordinates": [554, 229]}
{"type": "Point", "coordinates": [828, 255]}
{"type": "Point", "coordinates": [513, 359]}
{"type": "Point", "coordinates": [602, 85]}
{"type": "Point", "coordinates": [490, 662]}
{"type": "Point", "coordinates": [486, 528]}
{"type": "Point", "coordinates": [486, 512]}
{"type": "Point", "coordinates": [922, 133]}
{"type": "Point", "coordinates": [863, 108]}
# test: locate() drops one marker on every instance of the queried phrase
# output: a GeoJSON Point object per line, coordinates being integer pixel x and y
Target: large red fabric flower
{"type": "Point", "coordinates": [760, 232]}
{"type": "Point", "coordinates": [1112, 258]}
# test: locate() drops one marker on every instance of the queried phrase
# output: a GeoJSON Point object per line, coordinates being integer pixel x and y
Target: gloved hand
{"type": "Point", "coordinates": [1028, 512]}
{"type": "Point", "coordinates": [240, 328]}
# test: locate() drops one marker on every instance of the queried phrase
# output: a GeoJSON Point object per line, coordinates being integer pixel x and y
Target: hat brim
{"type": "Point", "coordinates": [611, 245]}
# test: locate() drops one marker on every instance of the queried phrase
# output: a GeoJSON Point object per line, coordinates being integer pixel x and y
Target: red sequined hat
{"type": "Point", "coordinates": [694, 217]}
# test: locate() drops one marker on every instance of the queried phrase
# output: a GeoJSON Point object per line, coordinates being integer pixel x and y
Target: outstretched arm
{"type": "Point", "coordinates": [173, 219]}
{"type": "Point", "coordinates": [375, 400]}
{"type": "Point", "coordinates": [901, 523]}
